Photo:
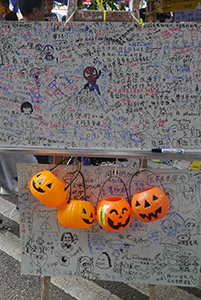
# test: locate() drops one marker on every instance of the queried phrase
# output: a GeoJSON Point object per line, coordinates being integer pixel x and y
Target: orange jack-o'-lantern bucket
{"type": "Point", "coordinates": [47, 188]}
{"type": "Point", "coordinates": [151, 204]}
{"type": "Point", "coordinates": [76, 213]}
{"type": "Point", "coordinates": [114, 213]}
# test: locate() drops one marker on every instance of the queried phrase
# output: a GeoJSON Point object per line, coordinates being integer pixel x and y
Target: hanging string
{"type": "Point", "coordinates": [83, 183]}
{"type": "Point", "coordinates": [69, 160]}
{"type": "Point", "coordinates": [115, 170]}
{"type": "Point", "coordinates": [141, 164]}
{"type": "Point", "coordinates": [78, 171]}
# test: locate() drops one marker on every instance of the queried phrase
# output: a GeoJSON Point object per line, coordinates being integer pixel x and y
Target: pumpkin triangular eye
{"type": "Point", "coordinates": [49, 185]}
{"type": "Point", "coordinates": [137, 204]}
{"type": "Point", "coordinates": [84, 211]}
{"type": "Point", "coordinates": [155, 198]}
{"type": "Point", "coordinates": [40, 181]}
{"type": "Point", "coordinates": [146, 204]}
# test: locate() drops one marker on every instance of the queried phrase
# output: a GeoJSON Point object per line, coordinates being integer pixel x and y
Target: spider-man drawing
{"type": "Point", "coordinates": [91, 75]}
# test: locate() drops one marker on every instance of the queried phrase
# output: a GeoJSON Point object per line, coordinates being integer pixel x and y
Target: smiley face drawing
{"type": "Point", "coordinates": [103, 261]}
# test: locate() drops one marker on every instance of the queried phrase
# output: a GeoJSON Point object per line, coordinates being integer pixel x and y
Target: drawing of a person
{"type": "Point", "coordinates": [67, 239]}
{"type": "Point", "coordinates": [85, 267]}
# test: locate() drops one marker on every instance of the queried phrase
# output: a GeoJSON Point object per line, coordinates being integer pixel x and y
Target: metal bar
{"type": "Point", "coordinates": [188, 155]}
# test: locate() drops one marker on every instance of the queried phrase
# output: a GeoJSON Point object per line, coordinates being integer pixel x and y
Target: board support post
{"type": "Point", "coordinates": [45, 288]}
{"type": "Point", "coordinates": [152, 292]}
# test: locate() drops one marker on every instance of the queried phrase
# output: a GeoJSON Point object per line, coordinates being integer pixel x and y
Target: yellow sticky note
{"type": "Point", "coordinates": [196, 165]}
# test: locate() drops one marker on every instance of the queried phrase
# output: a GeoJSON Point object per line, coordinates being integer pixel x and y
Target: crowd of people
{"type": "Point", "coordinates": [36, 10]}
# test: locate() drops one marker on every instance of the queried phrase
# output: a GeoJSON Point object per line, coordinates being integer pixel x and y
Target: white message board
{"type": "Point", "coordinates": [100, 86]}
{"type": "Point", "coordinates": [166, 251]}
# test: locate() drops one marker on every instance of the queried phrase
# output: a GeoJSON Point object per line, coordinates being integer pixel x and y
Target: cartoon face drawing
{"type": "Point", "coordinates": [188, 191]}
{"type": "Point", "coordinates": [169, 226]}
{"type": "Point", "coordinates": [64, 261]}
{"type": "Point", "coordinates": [38, 47]}
{"type": "Point", "coordinates": [190, 224]}
{"type": "Point", "coordinates": [91, 75]}
{"type": "Point", "coordinates": [48, 50]}
{"type": "Point", "coordinates": [26, 108]}
{"type": "Point", "coordinates": [171, 252]}
{"type": "Point", "coordinates": [7, 47]}
{"type": "Point", "coordinates": [39, 259]}
{"type": "Point", "coordinates": [85, 266]}
{"type": "Point", "coordinates": [144, 274]}
{"type": "Point", "coordinates": [67, 240]}
{"type": "Point", "coordinates": [183, 237]}
{"type": "Point", "coordinates": [103, 261]}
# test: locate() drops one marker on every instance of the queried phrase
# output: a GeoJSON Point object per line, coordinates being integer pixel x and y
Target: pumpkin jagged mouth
{"type": "Point", "coordinates": [37, 189]}
{"type": "Point", "coordinates": [87, 221]}
{"type": "Point", "coordinates": [149, 216]}
{"type": "Point", "coordinates": [111, 223]}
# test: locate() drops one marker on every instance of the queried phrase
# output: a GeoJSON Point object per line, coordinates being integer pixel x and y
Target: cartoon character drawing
{"type": "Point", "coordinates": [85, 267]}
{"type": "Point", "coordinates": [64, 261]}
{"type": "Point", "coordinates": [144, 273]}
{"type": "Point", "coordinates": [171, 253]}
{"type": "Point", "coordinates": [26, 108]}
{"type": "Point", "coordinates": [117, 247]}
{"type": "Point", "coordinates": [103, 261]}
{"type": "Point", "coordinates": [172, 225]}
{"type": "Point", "coordinates": [39, 247]}
{"type": "Point", "coordinates": [67, 239]}
{"type": "Point", "coordinates": [39, 48]}
{"type": "Point", "coordinates": [48, 50]}
{"type": "Point", "coordinates": [29, 245]}
{"type": "Point", "coordinates": [39, 259]}
{"type": "Point", "coordinates": [91, 75]}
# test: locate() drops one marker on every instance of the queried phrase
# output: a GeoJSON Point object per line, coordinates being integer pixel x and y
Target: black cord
{"type": "Point", "coordinates": [83, 182]}
{"type": "Point", "coordinates": [60, 163]}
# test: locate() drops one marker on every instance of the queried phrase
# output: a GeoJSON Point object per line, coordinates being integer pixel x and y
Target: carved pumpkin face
{"type": "Point", "coordinates": [47, 188]}
{"type": "Point", "coordinates": [150, 205]}
{"type": "Point", "coordinates": [114, 213]}
{"type": "Point", "coordinates": [76, 214]}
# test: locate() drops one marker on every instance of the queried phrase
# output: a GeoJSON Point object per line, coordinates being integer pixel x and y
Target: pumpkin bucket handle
{"type": "Point", "coordinates": [109, 180]}
{"type": "Point", "coordinates": [72, 180]}
{"type": "Point", "coordinates": [69, 159]}
{"type": "Point", "coordinates": [145, 170]}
